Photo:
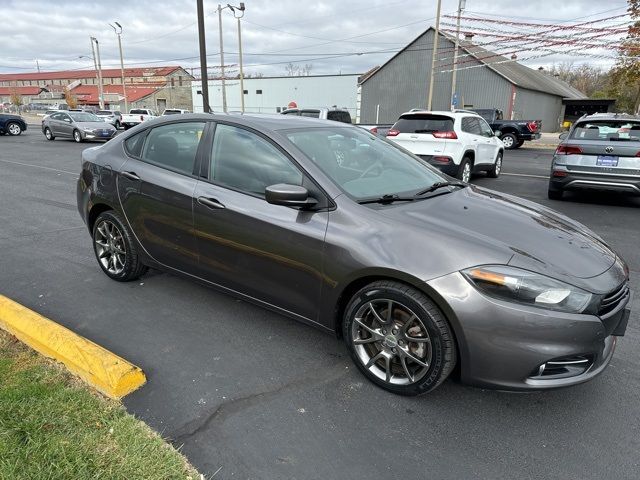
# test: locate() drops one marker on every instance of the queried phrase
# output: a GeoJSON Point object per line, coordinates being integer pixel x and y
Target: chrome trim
{"type": "Point", "coordinates": [599, 183]}
{"type": "Point", "coordinates": [600, 173]}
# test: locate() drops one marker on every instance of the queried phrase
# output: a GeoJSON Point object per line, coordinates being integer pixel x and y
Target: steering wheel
{"type": "Point", "coordinates": [375, 165]}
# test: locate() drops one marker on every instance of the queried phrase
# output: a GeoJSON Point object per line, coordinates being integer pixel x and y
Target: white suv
{"type": "Point", "coordinates": [457, 143]}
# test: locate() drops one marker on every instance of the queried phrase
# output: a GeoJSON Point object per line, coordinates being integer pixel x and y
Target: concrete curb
{"type": "Point", "coordinates": [105, 371]}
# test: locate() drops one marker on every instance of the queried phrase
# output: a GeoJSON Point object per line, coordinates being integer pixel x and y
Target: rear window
{"type": "Point", "coordinates": [421, 123]}
{"type": "Point", "coordinates": [138, 112]}
{"type": "Point", "coordinates": [623, 130]}
{"type": "Point", "coordinates": [310, 113]}
{"type": "Point", "coordinates": [339, 116]}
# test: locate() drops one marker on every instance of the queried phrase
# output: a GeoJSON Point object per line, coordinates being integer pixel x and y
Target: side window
{"type": "Point", "coordinates": [244, 161]}
{"type": "Point", "coordinates": [473, 126]}
{"type": "Point", "coordinates": [174, 146]}
{"type": "Point", "coordinates": [56, 116]}
{"type": "Point", "coordinates": [485, 128]}
{"type": "Point", "coordinates": [133, 145]}
{"type": "Point", "coordinates": [467, 124]}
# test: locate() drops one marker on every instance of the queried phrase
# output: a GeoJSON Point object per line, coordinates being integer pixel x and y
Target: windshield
{"type": "Point", "coordinates": [84, 117]}
{"type": "Point", "coordinates": [362, 164]}
{"type": "Point", "coordinates": [607, 130]}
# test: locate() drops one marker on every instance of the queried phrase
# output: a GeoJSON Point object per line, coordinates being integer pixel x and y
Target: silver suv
{"type": "Point", "coordinates": [601, 151]}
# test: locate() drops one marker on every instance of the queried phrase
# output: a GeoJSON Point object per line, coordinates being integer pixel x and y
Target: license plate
{"type": "Point", "coordinates": [106, 134]}
{"type": "Point", "coordinates": [607, 161]}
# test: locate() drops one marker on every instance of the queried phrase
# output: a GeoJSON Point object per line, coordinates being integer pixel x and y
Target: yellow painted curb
{"type": "Point", "coordinates": [105, 371]}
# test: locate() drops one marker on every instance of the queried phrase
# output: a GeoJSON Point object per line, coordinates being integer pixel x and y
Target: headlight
{"type": "Point", "coordinates": [528, 288]}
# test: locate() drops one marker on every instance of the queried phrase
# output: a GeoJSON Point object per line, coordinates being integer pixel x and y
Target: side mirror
{"type": "Point", "coordinates": [289, 196]}
{"type": "Point", "coordinates": [497, 133]}
{"type": "Point", "coordinates": [563, 135]}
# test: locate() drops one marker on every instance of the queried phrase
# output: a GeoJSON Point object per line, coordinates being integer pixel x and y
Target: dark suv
{"type": "Point", "coordinates": [12, 124]}
{"type": "Point", "coordinates": [601, 151]}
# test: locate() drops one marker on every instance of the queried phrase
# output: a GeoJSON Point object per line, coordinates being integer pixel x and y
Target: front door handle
{"type": "Point", "coordinates": [131, 176]}
{"type": "Point", "coordinates": [210, 203]}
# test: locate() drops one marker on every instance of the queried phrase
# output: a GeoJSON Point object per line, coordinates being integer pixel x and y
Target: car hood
{"type": "Point", "coordinates": [11, 116]}
{"type": "Point", "coordinates": [533, 237]}
{"type": "Point", "coordinates": [101, 125]}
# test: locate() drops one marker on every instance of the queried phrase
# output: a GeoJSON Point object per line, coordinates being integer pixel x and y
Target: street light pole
{"type": "Point", "coordinates": [118, 32]}
{"type": "Point", "coordinates": [241, 9]}
{"type": "Point", "coordinates": [433, 54]}
{"type": "Point", "coordinates": [204, 79]}
{"type": "Point", "coordinates": [461, 5]}
{"type": "Point", "coordinates": [224, 91]}
{"type": "Point", "coordinates": [98, 65]}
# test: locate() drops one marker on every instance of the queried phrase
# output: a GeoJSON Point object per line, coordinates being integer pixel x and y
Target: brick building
{"type": "Point", "coordinates": [154, 87]}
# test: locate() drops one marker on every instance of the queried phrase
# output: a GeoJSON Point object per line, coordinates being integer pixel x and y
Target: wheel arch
{"type": "Point", "coordinates": [355, 284]}
{"type": "Point", "coordinates": [471, 155]}
{"type": "Point", "coordinates": [94, 212]}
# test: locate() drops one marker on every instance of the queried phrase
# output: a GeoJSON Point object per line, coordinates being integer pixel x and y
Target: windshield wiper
{"type": "Point", "coordinates": [438, 185]}
{"type": "Point", "coordinates": [386, 199]}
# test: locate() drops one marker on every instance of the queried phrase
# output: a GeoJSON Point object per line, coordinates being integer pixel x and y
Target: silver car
{"type": "Point", "coordinates": [79, 126]}
{"type": "Point", "coordinates": [113, 117]}
{"type": "Point", "coordinates": [601, 151]}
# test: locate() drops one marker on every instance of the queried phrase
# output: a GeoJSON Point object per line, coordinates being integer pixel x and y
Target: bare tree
{"type": "Point", "coordinates": [293, 70]}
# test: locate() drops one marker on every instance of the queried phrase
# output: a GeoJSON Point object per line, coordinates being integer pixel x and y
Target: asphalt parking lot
{"type": "Point", "coordinates": [251, 394]}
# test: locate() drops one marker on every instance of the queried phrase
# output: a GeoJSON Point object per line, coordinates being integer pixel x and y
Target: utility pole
{"type": "Point", "coordinates": [99, 68]}
{"type": "Point", "coordinates": [433, 54]}
{"type": "Point", "coordinates": [37, 65]}
{"type": "Point", "coordinates": [204, 80]}
{"type": "Point", "coordinates": [241, 9]}
{"type": "Point", "coordinates": [224, 91]}
{"type": "Point", "coordinates": [118, 32]}
{"type": "Point", "coordinates": [461, 5]}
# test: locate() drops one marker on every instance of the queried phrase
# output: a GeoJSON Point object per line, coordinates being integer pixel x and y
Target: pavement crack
{"type": "Point", "coordinates": [235, 405]}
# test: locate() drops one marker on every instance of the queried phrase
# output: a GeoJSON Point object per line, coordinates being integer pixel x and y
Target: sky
{"type": "Point", "coordinates": [333, 36]}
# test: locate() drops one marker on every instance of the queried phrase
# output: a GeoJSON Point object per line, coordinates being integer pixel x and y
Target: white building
{"type": "Point", "coordinates": [273, 94]}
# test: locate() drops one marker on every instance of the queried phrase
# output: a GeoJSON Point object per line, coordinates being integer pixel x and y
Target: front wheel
{"type": "Point", "coordinates": [494, 172]}
{"type": "Point", "coordinates": [115, 249]}
{"type": "Point", "coordinates": [398, 338]}
{"type": "Point", "coordinates": [510, 141]}
{"type": "Point", "coordinates": [13, 129]}
{"type": "Point", "coordinates": [77, 137]}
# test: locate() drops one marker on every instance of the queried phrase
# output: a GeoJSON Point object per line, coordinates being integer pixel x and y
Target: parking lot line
{"type": "Point", "coordinates": [525, 175]}
{"type": "Point", "coordinates": [103, 370]}
{"type": "Point", "coordinates": [75, 174]}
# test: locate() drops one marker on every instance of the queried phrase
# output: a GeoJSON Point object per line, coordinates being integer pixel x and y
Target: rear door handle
{"type": "Point", "coordinates": [210, 203]}
{"type": "Point", "coordinates": [131, 176]}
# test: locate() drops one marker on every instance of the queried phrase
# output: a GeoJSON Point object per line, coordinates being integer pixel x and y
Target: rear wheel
{"type": "Point", "coordinates": [554, 194]}
{"type": "Point", "coordinates": [510, 141]}
{"type": "Point", "coordinates": [13, 129]}
{"type": "Point", "coordinates": [398, 338]}
{"type": "Point", "coordinates": [494, 172]}
{"type": "Point", "coordinates": [48, 134]}
{"type": "Point", "coordinates": [115, 248]}
{"type": "Point", "coordinates": [464, 170]}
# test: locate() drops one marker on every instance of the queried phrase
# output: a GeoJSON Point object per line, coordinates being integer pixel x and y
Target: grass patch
{"type": "Point", "coordinates": [53, 427]}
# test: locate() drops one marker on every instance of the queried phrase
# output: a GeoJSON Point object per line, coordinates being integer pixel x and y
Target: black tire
{"type": "Point", "coordinates": [494, 171]}
{"type": "Point", "coordinates": [520, 143]}
{"type": "Point", "coordinates": [77, 136]}
{"type": "Point", "coordinates": [428, 319]}
{"type": "Point", "coordinates": [554, 193]}
{"type": "Point", "coordinates": [510, 141]}
{"type": "Point", "coordinates": [13, 129]}
{"type": "Point", "coordinates": [117, 125]}
{"type": "Point", "coordinates": [132, 268]}
{"type": "Point", "coordinates": [126, 127]}
{"type": "Point", "coordinates": [462, 172]}
{"type": "Point", "coordinates": [48, 134]}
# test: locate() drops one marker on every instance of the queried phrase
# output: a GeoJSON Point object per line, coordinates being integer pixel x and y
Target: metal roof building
{"type": "Point", "coordinates": [484, 80]}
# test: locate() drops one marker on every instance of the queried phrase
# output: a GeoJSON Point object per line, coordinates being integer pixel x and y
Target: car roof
{"type": "Point", "coordinates": [446, 113]}
{"type": "Point", "coordinates": [270, 121]}
{"type": "Point", "coordinates": [608, 116]}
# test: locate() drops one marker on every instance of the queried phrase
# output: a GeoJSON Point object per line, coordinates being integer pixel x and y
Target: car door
{"type": "Point", "coordinates": [66, 125]}
{"type": "Point", "coordinates": [272, 253]}
{"type": "Point", "coordinates": [156, 186]}
{"type": "Point", "coordinates": [491, 145]}
{"type": "Point", "coordinates": [477, 139]}
{"type": "Point", "coordinates": [55, 124]}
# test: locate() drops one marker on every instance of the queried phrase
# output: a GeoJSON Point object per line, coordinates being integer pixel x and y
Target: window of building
{"type": "Point", "coordinates": [173, 82]}
{"type": "Point", "coordinates": [244, 161]}
{"type": "Point", "coordinates": [174, 146]}
{"type": "Point", "coordinates": [246, 92]}
{"type": "Point", "coordinates": [258, 92]}
{"type": "Point", "coordinates": [180, 80]}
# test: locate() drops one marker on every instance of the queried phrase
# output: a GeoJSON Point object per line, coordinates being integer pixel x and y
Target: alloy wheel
{"type": "Point", "coordinates": [110, 247]}
{"type": "Point", "coordinates": [466, 172]}
{"type": "Point", "coordinates": [76, 136]}
{"type": "Point", "coordinates": [498, 166]}
{"type": "Point", "coordinates": [14, 129]}
{"type": "Point", "coordinates": [392, 342]}
{"type": "Point", "coordinates": [508, 141]}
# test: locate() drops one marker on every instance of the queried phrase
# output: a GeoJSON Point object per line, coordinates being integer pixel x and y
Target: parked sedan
{"type": "Point", "coordinates": [416, 272]}
{"type": "Point", "coordinates": [601, 152]}
{"type": "Point", "coordinates": [78, 126]}
{"type": "Point", "coordinates": [12, 124]}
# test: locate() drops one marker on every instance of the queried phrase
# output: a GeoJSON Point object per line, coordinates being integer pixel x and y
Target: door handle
{"type": "Point", "coordinates": [131, 176]}
{"type": "Point", "coordinates": [210, 203]}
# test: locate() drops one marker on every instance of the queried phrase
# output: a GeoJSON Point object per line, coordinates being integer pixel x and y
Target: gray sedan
{"type": "Point", "coordinates": [78, 126]}
{"type": "Point", "coordinates": [342, 230]}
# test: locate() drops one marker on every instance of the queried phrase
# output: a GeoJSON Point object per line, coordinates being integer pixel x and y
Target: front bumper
{"type": "Point", "coordinates": [504, 345]}
{"type": "Point", "coordinates": [98, 135]}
